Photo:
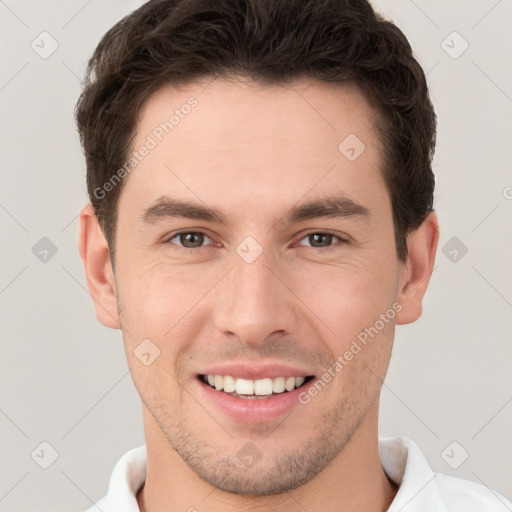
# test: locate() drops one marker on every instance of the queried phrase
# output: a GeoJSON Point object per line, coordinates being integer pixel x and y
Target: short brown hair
{"type": "Point", "coordinates": [175, 42]}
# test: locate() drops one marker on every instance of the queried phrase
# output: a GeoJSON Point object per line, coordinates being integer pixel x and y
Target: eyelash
{"type": "Point", "coordinates": [332, 247]}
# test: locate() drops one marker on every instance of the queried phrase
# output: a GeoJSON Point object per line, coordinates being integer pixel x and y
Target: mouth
{"type": "Point", "coordinates": [254, 392]}
{"type": "Point", "coordinates": [258, 389]}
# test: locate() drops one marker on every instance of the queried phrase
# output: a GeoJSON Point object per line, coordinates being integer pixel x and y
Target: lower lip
{"type": "Point", "coordinates": [254, 410]}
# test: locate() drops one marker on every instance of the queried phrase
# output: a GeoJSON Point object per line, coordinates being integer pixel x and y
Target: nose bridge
{"type": "Point", "coordinates": [253, 302]}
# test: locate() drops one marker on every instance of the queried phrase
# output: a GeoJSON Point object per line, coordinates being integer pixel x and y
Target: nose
{"type": "Point", "coordinates": [254, 302]}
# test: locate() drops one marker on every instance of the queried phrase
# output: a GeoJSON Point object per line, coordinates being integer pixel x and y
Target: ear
{"type": "Point", "coordinates": [416, 271]}
{"type": "Point", "coordinates": [95, 256]}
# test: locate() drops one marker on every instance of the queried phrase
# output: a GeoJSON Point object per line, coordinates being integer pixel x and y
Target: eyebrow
{"type": "Point", "coordinates": [330, 206]}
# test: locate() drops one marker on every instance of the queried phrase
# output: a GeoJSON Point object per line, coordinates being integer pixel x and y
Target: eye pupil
{"type": "Point", "coordinates": [320, 239]}
{"type": "Point", "coordinates": [191, 240]}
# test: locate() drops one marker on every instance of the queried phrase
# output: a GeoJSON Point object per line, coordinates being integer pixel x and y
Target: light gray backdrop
{"type": "Point", "coordinates": [64, 378]}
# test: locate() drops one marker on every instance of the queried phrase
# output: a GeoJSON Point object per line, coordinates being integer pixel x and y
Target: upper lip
{"type": "Point", "coordinates": [254, 371]}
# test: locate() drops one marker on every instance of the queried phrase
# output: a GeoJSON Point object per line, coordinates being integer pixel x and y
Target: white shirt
{"type": "Point", "coordinates": [420, 489]}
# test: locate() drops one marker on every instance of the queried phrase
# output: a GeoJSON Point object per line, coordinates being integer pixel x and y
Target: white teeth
{"type": "Point", "coordinates": [278, 385]}
{"type": "Point", "coordinates": [219, 382]}
{"type": "Point", "coordinates": [289, 384]}
{"type": "Point", "coordinates": [263, 387]}
{"type": "Point", "coordinates": [244, 387]}
{"type": "Point", "coordinates": [229, 384]}
{"type": "Point", "coordinates": [259, 387]}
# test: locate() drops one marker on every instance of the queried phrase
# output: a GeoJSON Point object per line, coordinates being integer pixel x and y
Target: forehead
{"type": "Point", "coordinates": [238, 108]}
{"type": "Point", "coordinates": [249, 140]}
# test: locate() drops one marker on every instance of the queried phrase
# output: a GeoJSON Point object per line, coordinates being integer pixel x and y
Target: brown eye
{"type": "Point", "coordinates": [320, 240]}
{"type": "Point", "coordinates": [189, 239]}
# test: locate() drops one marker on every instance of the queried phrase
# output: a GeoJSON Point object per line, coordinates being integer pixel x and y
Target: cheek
{"type": "Point", "coordinates": [157, 386]}
{"type": "Point", "coordinates": [155, 304]}
{"type": "Point", "coordinates": [155, 298]}
{"type": "Point", "coordinates": [357, 306]}
{"type": "Point", "coordinates": [347, 298]}
{"type": "Point", "coordinates": [160, 308]}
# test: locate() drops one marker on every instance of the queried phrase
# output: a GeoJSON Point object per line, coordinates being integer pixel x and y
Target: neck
{"type": "Point", "coordinates": [354, 481]}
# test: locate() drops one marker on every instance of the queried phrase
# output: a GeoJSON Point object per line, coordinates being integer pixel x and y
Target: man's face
{"type": "Point", "coordinates": [256, 292]}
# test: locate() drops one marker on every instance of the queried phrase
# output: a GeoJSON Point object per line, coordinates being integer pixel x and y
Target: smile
{"type": "Point", "coordinates": [254, 389]}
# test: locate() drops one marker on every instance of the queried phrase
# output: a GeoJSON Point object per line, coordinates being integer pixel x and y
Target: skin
{"type": "Point", "coordinates": [254, 152]}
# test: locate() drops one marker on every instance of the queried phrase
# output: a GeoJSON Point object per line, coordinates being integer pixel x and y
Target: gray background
{"type": "Point", "coordinates": [64, 378]}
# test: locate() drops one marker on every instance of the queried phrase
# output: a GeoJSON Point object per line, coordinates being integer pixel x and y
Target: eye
{"type": "Point", "coordinates": [189, 239]}
{"type": "Point", "coordinates": [321, 240]}
{"type": "Point", "coordinates": [198, 239]}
